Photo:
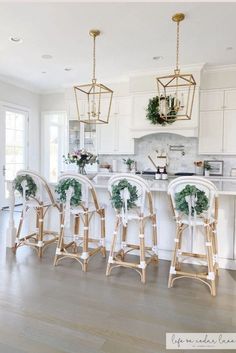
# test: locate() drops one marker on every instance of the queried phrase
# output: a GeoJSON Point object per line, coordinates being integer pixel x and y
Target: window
{"type": "Point", "coordinates": [54, 144]}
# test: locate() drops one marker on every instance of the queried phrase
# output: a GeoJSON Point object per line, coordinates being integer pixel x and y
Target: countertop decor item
{"type": "Point", "coordinates": [176, 90]}
{"type": "Point", "coordinates": [80, 158]}
{"type": "Point", "coordinates": [116, 194]}
{"type": "Point", "coordinates": [200, 200]}
{"type": "Point", "coordinates": [96, 110]}
{"type": "Point", "coordinates": [62, 188]}
{"type": "Point", "coordinates": [198, 167]}
{"type": "Point", "coordinates": [130, 163]}
{"type": "Point", "coordinates": [156, 114]}
{"type": "Point", "coordinates": [30, 185]}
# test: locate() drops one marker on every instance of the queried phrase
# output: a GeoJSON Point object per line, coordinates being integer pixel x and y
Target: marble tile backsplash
{"type": "Point", "coordinates": [177, 162]}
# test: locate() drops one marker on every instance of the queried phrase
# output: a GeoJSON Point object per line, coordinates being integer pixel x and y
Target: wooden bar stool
{"type": "Point", "coordinates": [37, 196]}
{"type": "Point", "coordinates": [79, 201]}
{"type": "Point", "coordinates": [132, 200]}
{"type": "Point", "coordinates": [195, 206]}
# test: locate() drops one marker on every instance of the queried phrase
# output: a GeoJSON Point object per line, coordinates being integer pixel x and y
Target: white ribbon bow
{"type": "Point", "coordinates": [69, 194]}
{"type": "Point", "coordinates": [24, 188]}
{"type": "Point", "coordinates": [125, 196]}
{"type": "Point", "coordinates": [192, 201]}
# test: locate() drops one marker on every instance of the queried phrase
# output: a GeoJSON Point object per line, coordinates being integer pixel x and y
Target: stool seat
{"type": "Point", "coordinates": [199, 221]}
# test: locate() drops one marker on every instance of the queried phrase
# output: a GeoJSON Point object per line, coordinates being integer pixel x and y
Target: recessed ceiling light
{"type": "Point", "coordinates": [16, 39]}
{"type": "Point", "coordinates": [157, 57]}
{"type": "Point", "coordinates": [67, 68]}
{"type": "Point", "coordinates": [46, 56]}
{"type": "Point", "coordinates": [43, 72]}
{"type": "Point", "coordinates": [229, 48]}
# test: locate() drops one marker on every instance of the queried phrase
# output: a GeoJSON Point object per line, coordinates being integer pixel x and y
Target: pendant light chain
{"type": "Point", "coordinates": [177, 47]}
{"type": "Point", "coordinates": [94, 57]}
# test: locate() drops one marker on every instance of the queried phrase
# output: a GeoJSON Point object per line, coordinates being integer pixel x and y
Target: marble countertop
{"type": "Point", "coordinates": [225, 186]}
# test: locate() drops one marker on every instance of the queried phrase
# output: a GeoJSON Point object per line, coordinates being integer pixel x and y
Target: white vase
{"type": "Point", "coordinates": [207, 173]}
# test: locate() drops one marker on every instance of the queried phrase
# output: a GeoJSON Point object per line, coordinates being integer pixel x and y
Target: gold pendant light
{"type": "Point", "coordinates": [176, 91]}
{"type": "Point", "coordinates": [93, 100]}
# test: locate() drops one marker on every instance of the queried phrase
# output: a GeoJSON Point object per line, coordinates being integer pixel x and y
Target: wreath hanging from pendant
{"type": "Point", "coordinates": [160, 110]}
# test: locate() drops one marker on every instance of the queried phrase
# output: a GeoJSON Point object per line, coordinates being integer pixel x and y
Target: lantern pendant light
{"type": "Point", "coordinates": [93, 100]}
{"type": "Point", "coordinates": [176, 91]}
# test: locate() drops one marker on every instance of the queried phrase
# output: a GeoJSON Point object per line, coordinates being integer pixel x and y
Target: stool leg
{"type": "Point", "coordinates": [103, 233]}
{"type": "Point", "coordinates": [209, 251]}
{"type": "Point", "coordinates": [215, 246]}
{"type": "Point", "coordinates": [112, 250]}
{"type": "Point", "coordinates": [154, 236]}
{"type": "Point", "coordinates": [85, 242]}
{"type": "Point", "coordinates": [60, 244]}
{"type": "Point", "coordinates": [142, 250]}
{"type": "Point", "coordinates": [40, 236]}
{"type": "Point", "coordinates": [76, 232]}
{"type": "Point", "coordinates": [123, 239]}
{"type": "Point", "coordinates": [174, 258]}
{"type": "Point", "coordinates": [18, 231]}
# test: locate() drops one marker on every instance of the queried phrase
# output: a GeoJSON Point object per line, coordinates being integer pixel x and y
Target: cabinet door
{"type": "Point", "coordinates": [125, 141]}
{"type": "Point", "coordinates": [229, 132]}
{"type": "Point", "coordinates": [211, 132]}
{"type": "Point", "coordinates": [107, 135]}
{"type": "Point", "coordinates": [230, 99]}
{"type": "Point", "coordinates": [211, 100]}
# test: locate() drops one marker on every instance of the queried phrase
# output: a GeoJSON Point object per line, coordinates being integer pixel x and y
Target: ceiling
{"type": "Point", "coordinates": [132, 34]}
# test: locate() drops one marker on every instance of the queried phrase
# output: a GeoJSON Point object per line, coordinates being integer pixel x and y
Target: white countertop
{"type": "Point", "coordinates": [225, 185]}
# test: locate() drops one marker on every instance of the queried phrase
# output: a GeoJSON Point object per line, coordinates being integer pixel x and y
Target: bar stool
{"type": "Point", "coordinates": [132, 200]}
{"type": "Point", "coordinates": [195, 206]}
{"type": "Point", "coordinates": [37, 196]}
{"type": "Point", "coordinates": [79, 201]}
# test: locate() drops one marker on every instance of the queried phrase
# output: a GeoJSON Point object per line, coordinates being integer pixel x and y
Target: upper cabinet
{"type": "Point", "coordinates": [115, 137]}
{"type": "Point", "coordinates": [217, 122]}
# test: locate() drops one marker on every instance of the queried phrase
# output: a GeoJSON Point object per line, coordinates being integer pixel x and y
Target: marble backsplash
{"type": "Point", "coordinates": [177, 162]}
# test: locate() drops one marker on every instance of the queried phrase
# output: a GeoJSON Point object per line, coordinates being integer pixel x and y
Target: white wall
{"type": "Point", "coordinates": [221, 77]}
{"type": "Point", "coordinates": [53, 102]}
{"type": "Point", "coordinates": [30, 101]}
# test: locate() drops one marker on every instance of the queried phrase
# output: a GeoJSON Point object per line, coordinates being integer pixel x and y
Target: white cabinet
{"type": "Point", "coordinates": [212, 100]}
{"type": "Point", "coordinates": [217, 122]}
{"type": "Point", "coordinates": [210, 133]}
{"type": "Point", "coordinates": [115, 137]}
{"type": "Point", "coordinates": [229, 145]}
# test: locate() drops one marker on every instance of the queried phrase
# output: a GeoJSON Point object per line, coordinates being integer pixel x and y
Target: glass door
{"type": "Point", "coordinates": [13, 147]}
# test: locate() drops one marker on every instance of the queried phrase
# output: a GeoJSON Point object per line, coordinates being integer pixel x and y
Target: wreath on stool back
{"type": "Point", "coordinates": [116, 198]}
{"type": "Point", "coordinates": [200, 204]}
{"type": "Point", "coordinates": [62, 188]}
{"type": "Point", "coordinates": [31, 187]}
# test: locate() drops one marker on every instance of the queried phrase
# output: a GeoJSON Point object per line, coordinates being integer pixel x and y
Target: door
{"type": "Point", "coordinates": [13, 147]}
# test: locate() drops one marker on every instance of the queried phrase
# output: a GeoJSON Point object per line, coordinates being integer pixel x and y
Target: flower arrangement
{"type": "Point", "coordinates": [80, 158]}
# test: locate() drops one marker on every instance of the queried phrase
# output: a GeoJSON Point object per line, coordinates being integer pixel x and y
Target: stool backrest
{"type": "Point", "coordinates": [44, 193]}
{"type": "Point", "coordinates": [87, 190]}
{"type": "Point", "coordinates": [143, 189]}
{"type": "Point", "coordinates": [210, 190]}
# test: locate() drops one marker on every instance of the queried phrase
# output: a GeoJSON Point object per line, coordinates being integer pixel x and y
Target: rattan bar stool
{"type": "Point", "coordinates": [79, 201]}
{"type": "Point", "coordinates": [37, 196]}
{"type": "Point", "coordinates": [195, 206]}
{"type": "Point", "coordinates": [132, 200]}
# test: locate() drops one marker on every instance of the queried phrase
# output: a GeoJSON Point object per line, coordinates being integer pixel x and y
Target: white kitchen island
{"type": "Point", "coordinates": [165, 221]}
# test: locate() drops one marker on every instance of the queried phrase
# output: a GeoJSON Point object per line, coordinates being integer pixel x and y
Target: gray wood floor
{"type": "Point", "coordinates": [46, 309]}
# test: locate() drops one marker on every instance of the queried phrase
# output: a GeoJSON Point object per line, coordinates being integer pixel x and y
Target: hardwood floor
{"type": "Point", "coordinates": [46, 309]}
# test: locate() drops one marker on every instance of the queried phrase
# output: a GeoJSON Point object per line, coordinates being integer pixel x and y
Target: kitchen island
{"type": "Point", "coordinates": [165, 221]}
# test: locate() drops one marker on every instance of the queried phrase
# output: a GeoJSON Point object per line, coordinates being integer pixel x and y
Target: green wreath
{"type": "Point", "coordinates": [153, 111]}
{"type": "Point", "coordinates": [31, 187]}
{"type": "Point", "coordinates": [116, 199]}
{"type": "Point", "coordinates": [64, 185]}
{"type": "Point", "coordinates": [202, 203]}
